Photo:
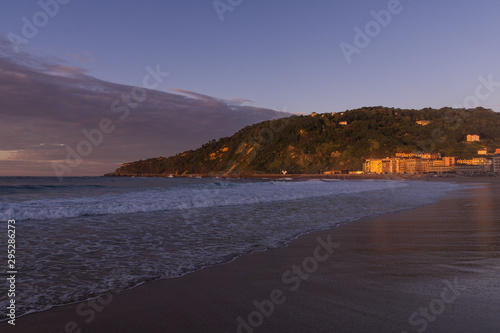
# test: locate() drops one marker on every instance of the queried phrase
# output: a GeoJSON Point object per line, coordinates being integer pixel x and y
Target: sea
{"type": "Point", "coordinates": [84, 237]}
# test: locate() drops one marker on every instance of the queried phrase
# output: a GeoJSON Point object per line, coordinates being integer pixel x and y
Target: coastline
{"type": "Point", "coordinates": [385, 268]}
{"type": "Point", "coordinates": [432, 177]}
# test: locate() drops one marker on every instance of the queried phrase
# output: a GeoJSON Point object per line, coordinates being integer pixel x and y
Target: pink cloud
{"type": "Point", "coordinates": [66, 71]}
{"type": "Point", "coordinates": [238, 101]}
{"type": "Point", "coordinates": [84, 57]}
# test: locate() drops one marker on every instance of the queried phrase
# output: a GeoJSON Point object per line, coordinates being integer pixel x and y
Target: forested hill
{"type": "Point", "coordinates": [331, 141]}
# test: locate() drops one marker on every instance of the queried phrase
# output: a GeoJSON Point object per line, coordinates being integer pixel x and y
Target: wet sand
{"type": "Point", "coordinates": [438, 264]}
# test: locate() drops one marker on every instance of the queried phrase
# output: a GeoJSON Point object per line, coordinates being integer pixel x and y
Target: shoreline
{"type": "Point", "coordinates": [437, 177]}
{"type": "Point", "coordinates": [227, 286]}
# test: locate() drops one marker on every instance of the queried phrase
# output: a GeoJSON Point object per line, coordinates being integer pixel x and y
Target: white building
{"type": "Point", "coordinates": [473, 138]}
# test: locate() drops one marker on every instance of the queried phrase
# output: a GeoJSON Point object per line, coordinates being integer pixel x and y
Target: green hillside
{"type": "Point", "coordinates": [317, 143]}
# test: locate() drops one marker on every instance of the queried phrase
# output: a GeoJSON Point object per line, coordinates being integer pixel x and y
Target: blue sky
{"type": "Point", "coordinates": [279, 55]}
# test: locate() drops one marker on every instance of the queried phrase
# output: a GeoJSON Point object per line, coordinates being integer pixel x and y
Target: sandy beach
{"type": "Point", "coordinates": [434, 269]}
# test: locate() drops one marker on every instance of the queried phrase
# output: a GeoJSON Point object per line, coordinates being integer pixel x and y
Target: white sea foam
{"type": "Point", "coordinates": [161, 199]}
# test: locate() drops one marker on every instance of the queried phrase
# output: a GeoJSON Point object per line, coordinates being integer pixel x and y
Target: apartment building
{"type": "Point", "coordinates": [496, 162]}
{"type": "Point", "coordinates": [410, 163]}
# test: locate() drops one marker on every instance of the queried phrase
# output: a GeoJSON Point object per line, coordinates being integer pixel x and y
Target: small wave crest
{"type": "Point", "coordinates": [186, 197]}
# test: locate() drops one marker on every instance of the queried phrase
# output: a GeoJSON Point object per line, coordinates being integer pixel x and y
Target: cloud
{"type": "Point", "coordinates": [197, 95]}
{"type": "Point", "coordinates": [214, 100]}
{"type": "Point", "coordinates": [49, 107]}
{"type": "Point", "coordinates": [7, 154]}
{"type": "Point", "coordinates": [238, 101]}
{"type": "Point", "coordinates": [84, 57]}
{"type": "Point", "coordinates": [67, 71]}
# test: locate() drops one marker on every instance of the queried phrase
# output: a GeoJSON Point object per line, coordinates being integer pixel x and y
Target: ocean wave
{"type": "Point", "coordinates": [183, 197]}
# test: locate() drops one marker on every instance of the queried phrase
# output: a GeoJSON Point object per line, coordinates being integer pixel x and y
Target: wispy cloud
{"type": "Point", "coordinates": [66, 71]}
{"type": "Point", "coordinates": [7, 154]}
{"type": "Point", "coordinates": [196, 95]}
{"type": "Point", "coordinates": [84, 57]}
{"type": "Point", "coordinates": [226, 101]}
{"type": "Point", "coordinates": [238, 101]}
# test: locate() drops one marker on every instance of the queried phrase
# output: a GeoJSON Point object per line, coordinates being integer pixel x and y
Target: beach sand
{"type": "Point", "coordinates": [439, 264]}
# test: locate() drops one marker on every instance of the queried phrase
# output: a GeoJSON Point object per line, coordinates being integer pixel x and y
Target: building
{"type": "Point", "coordinates": [443, 168]}
{"type": "Point", "coordinates": [379, 166]}
{"type": "Point", "coordinates": [482, 152]}
{"type": "Point", "coordinates": [496, 163]}
{"type": "Point", "coordinates": [386, 165]}
{"type": "Point", "coordinates": [413, 165]}
{"type": "Point", "coordinates": [373, 166]}
{"type": "Point", "coordinates": [449, 161]}
{"type": "Point", "coordinates": [475, 165]}
{"type": "Point", "coordinates": [405, 154]}
{"type": "Point", "coordinates": [424, 122]}
{"type": "Point", "coordinates": [428, 156]}
{"type": "Point", "coordinates": [426, 165]}
{"type": "Point", "coordinates": [497, 151]}
{"type": "Point", "coordinates": [343, 123]}
{"type": "Point", "coordinates": [397, 165]}
{"type": "Point", "coordinates": [472, 169]}
{"type": "Point", "coordinates": [410, 163]}
{"type": "Point", "coordinates": [473, 138]}
{"type": "Point", "coordinates": [475, 161]}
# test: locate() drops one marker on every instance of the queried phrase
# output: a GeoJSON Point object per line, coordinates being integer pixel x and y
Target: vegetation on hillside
{"type": "Point", "coordinates": [321, 142]}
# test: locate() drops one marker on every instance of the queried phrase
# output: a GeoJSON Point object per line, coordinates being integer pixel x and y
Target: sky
{"type": "Point", "coordinates": [238, 59]}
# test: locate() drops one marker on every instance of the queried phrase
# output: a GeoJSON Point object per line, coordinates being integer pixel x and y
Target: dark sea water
{"type": "Point", "coordinates": [85, 236]}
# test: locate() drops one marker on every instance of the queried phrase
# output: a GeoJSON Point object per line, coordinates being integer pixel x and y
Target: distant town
{"type": "Point", "coordinates": [422, 162]}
